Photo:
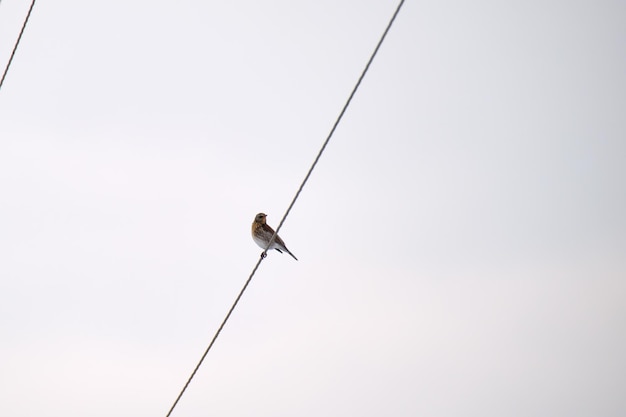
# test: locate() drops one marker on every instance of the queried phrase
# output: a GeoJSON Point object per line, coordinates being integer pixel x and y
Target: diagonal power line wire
{"type": "Point", "coordinates": [343, 110]}
{"type": "Point", "coordinates": [6, 69]}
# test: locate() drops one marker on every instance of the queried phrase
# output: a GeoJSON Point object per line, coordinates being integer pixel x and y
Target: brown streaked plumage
{"type": "Point", "coordinates": [262, 233]}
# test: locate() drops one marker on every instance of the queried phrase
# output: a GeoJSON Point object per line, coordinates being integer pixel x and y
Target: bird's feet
{"type": "Point", "coordinates": [263, 255]}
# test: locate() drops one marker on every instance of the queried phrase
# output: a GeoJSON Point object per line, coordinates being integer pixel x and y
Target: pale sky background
{"type": "Point", "coordinates": [461, 244]}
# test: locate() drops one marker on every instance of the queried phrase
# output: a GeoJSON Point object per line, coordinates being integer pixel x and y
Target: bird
{"type": "Point", "coordinates": [262, 233]}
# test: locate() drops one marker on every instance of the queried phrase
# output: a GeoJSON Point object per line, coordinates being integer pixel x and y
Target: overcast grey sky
{"type": "Point", "coordinates": [461, 243]}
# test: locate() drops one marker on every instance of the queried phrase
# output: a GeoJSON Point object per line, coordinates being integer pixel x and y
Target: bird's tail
{"type": "Point", "coordinates": [291, 254]}
{"type": "Point", "coordinates": [287, 250]}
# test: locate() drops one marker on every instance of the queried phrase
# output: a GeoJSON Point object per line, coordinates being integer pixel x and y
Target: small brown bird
{"type": "Point", "coordinates": [262, 233]}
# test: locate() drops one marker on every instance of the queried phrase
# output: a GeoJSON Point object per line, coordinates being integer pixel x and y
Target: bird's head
{"type": "Point", "coordinates": [260, 218]}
